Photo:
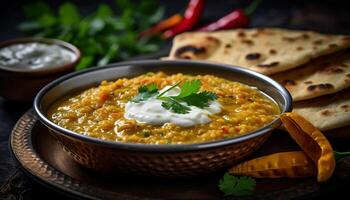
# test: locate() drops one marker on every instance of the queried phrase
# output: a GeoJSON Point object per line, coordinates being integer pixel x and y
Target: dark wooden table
{"type": "Point", "coordinates": [327, 16]}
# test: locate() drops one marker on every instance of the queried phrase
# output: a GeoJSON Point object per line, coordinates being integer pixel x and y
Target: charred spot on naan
{"type": "Point", "coordinates": [289, 82]}
{"type": "Point", "coordinates": [326, 112]}
{"type": "Point", "coordinates": [263, 31]}
{"type": "Point", "coordinates": [253, 56]}
{"type": "Point", "coordinates": [272, 51]}
{"type": "Point", "coordinates": [345, 107]}
{"type": "Point", "coordinates": [331, 68]}
{"type": "Point", "coordinates": [332, 45]}
{"type": "Point", "coordinates": [303, 36]}
{"type": "Point", "coordinates": [347, 78]}
{"type": "Point", "coordinates": [320, 87]}
{"type": "Point", "coordinates": [203, 48]}
{"type": "Point", "coordinates": [318, 42]}
{"type": "Point", "coordinates": [308, 82]}
{"type": "Point", "coordinates": [189, 51]}
{"type": "Point", "coordinates": [247, 42]}
{"type": "Point", "coordinates": [241, 34]}
{"type": "Point", "coordinates": [299, 48]}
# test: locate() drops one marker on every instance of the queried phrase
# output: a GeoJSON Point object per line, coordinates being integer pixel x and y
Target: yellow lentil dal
{"type": "Point", "coordinates": [99, 112]}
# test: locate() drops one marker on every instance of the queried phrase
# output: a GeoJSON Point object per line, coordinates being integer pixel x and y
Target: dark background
{"type": "Point", "coordinates": [329, 16]}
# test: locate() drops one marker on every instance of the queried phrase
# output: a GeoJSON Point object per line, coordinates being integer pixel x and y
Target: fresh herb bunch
{"type": "Point", "coordinates": [101, 36]}
{"type": "Point", "coordinates": [237, 186]}
{"type": "Point", "coordinates": [189, 95]}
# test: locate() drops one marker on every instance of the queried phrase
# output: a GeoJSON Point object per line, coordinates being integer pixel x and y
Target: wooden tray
{"type": "Point", "coordinates": [43, 159]}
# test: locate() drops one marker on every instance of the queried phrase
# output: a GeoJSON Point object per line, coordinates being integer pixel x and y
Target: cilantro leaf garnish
{"type": "Point", "coordinates": [200, 99]}
{"type": "Point", "coordinates": [175, 106]}
{"type": "Point", "coordinates": [188, 96]}
{"type": "Point", "coordinates": [170, 88]}
{"type": "Point", "coordinates": [145, 92]}
{"type": "Point", "coordinates": [237, 186]}
{"type": "Point", "coordinates": [189, 87]}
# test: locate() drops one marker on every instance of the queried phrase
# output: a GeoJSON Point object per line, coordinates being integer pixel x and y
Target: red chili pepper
{"type": "Point", "coordinates": [191, 17]}
{"type": "Point", "coordinates": [163, 25]}
{"type": "Point", "coordinates": [237, 19]}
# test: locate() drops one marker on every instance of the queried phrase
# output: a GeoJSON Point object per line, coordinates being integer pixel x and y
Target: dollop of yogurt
{"type": "Point", "coordinates": [152, 112]}
{"type": "Point", "coordinates": [35, 55]}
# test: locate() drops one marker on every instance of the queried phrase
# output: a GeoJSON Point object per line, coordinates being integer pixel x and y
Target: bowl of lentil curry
{"type": "Point", "coordinates": [163, 118]}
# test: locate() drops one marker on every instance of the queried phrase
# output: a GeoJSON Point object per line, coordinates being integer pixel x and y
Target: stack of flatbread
{"type": "Point", "coordinates": [314, 67]}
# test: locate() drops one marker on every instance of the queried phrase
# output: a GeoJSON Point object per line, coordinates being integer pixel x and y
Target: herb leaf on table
{"type": "Point", "coordinates": [237, 186]}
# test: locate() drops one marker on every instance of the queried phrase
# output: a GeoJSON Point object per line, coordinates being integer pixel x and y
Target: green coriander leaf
{"type": "Point", "coordinates": [340, 155]}
{"type": "Point", "coordinates": [237, 186]}
{"type": "Point", "coordinates": [200, 99]}
{"type": "Point", "coordinates": [104, 11]}
{"type": "Point", "coordinates": [127, 19]}
{"type": "Point", "coordinates": [112, 51]}
{"type": "Point", "coordinates": [147, 48]}
{"type": "Point", "coordinates": [85, 62]}
{"type": "Point", "coordinates": [69, 14]}
{"type": "Point", "coordinates": [170, 88]}
{"type": "Point", "coordinates": [209, 95]}
{"type": "Point", "coordinates": [47, 20]}
{"type": "Point", "coordinates": [189, 87]}
{"type": "Point", "coordinates": [152, 88]}
{"type": "Point", "coordinates": [189, 95]}
{"type": "Point", "coordinates": [84, 26]}
{"type": "Point", "coordinates": [145, 92]}
{"type": "Point", "coordinates": [175, 106]}
{"type": "Point", "coordinates": [96, 25]}
{"type": "Point", "coordinates": [143, 89]}
{"type": "Point", "coordinates": [66, 33]}
{"type": "Point", "coordinates": [115, 24]}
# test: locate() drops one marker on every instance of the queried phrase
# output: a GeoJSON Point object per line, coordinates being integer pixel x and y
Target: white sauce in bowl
{"type": "Point", "coordinates": [35, 55]}
{"type": "Point", "coordinates": [152, 112]}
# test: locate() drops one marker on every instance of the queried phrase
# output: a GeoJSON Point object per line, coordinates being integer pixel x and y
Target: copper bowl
{"type": "Point", "coordinates": [159, 160]}
{"type": "Point", "coordinates": [24, 84]}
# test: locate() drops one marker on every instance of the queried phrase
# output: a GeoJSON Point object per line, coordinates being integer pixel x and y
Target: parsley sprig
{"type": "Point", "coordinates": [188, 96]}
{"type": "Point", "coordinates": [237, 186]}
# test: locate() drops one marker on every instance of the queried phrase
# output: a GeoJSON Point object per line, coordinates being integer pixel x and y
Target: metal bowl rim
{"type": "Point", "coordinates": [162, 148]}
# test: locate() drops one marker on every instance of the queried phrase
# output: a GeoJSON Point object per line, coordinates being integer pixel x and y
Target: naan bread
{"type": "Point", "coordinates": [266, 50]}
{"type": "Point", "coordinates": [326, 112]}
{"type": "Point", "coordinates": [324, 75]}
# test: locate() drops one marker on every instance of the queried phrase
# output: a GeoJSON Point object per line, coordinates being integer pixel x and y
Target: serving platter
{"type": "Point", "coordinates": [42, 158]}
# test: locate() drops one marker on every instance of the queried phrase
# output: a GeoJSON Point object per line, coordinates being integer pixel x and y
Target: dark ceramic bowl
{"type": "Point", "coordinates": [159, 160]}
{"type": "Point", "coordinates": [24, 84]}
